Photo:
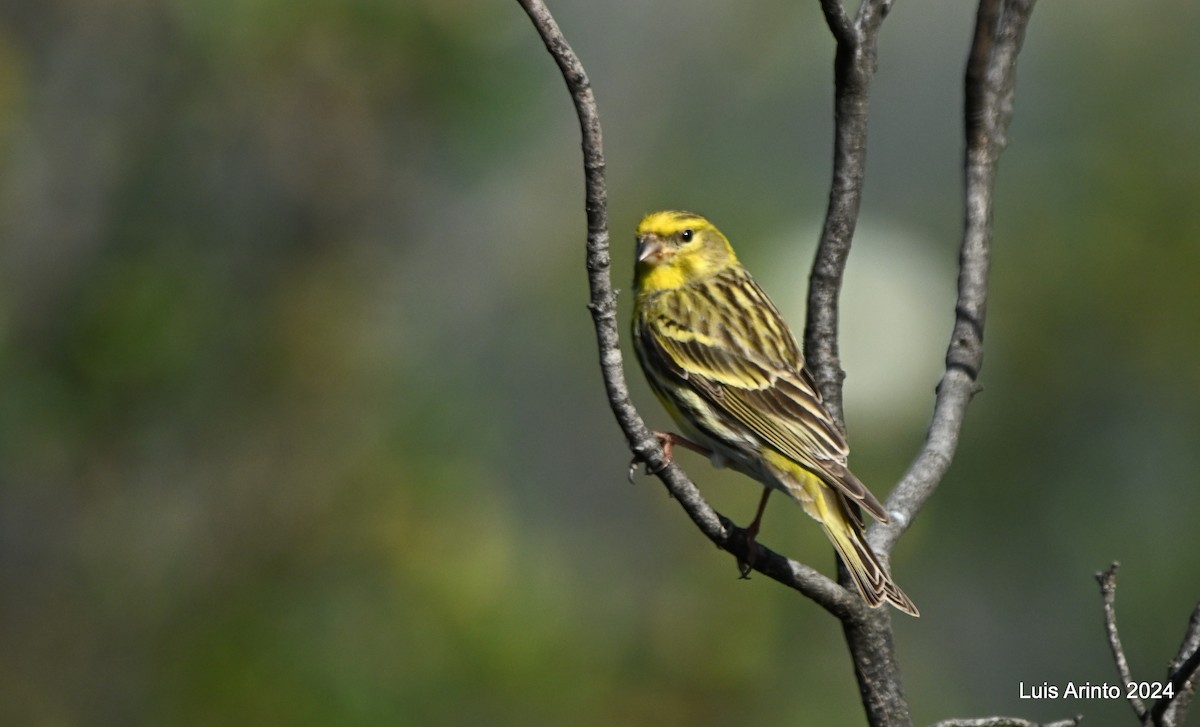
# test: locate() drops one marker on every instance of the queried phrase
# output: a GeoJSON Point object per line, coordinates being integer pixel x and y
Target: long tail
{"type": "Point", "coordinates": [843, 527]}
{"type": "Point", "coordinates": [872, 578]}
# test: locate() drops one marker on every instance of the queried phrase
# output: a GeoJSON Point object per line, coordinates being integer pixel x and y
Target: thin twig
{"type": "Point", "coordinates": [1167, 711]}
{"type": "Point", "coordinates": [990, 86]}
{"type": "Point", "coordinates": [603, 307]}
{"type": "Point", "coordinates": [854, 67]}
{"type": "Point", "coordinates": [990, 83]}
{"type": "Point", "coordinates": [838, 21]}
{"type": "Point", "coordinates": [868, 632]}
{"type": "Point", "coordinates": [1006, 722]}
{"type": "Point", "coordinates": [1108, 591]}
{"type": "Point", "coordinates": [1183, 674]}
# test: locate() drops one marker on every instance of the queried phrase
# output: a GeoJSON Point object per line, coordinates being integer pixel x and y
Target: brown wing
{"type": "Point", "coordinates": [724, 339]}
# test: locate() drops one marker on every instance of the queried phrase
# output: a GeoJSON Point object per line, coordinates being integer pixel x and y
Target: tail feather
{"type": "Point", "coordinates": [843, 526]}
{"type": "Point", "coordinates": [871, 576]}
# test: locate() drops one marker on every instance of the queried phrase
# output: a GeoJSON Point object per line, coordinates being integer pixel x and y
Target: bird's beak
{"type": "Point", "coordinates": [649, 247]}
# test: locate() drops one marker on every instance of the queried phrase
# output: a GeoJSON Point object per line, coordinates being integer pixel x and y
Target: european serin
{"type": "Point", "coordinates": [724, 364]}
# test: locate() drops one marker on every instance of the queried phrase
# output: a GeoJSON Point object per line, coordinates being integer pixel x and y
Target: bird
{"type": "Point", "coordinates": [724, 364]}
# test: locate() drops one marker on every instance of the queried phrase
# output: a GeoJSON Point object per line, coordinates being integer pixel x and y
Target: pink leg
{"type": "Point", "coordinates": [668, 440]}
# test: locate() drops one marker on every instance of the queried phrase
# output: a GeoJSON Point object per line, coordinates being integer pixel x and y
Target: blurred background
{"type": "Point", "coordinates": [300, 416]}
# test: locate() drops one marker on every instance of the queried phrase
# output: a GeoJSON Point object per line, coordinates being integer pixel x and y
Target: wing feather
{"type": "Point", "coordinates": [725, 340]}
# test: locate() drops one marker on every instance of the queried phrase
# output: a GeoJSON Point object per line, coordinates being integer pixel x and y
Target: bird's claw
{"type": "Point", "coordinates": [667, 442]}
{"type": "Point", "coordinates": [633, 465]}
{"type": "Point", "coordinates": [746, 567]}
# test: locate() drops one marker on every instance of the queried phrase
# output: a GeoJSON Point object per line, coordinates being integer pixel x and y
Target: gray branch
{"type": "Point", "coordinates": [1006, 722]}
{"type": "Point", "coordinates": [1185, 676]}
{"type": "Point", "coordinates": [1108, 593]}
{"type": "Point", "coordinates": [990, 88]}
{"type": "Point", "coordinates": [1169, 710]}
{"type": "Point", "coordinates": [853, 68]}
{"type": "Point", "coordinates": [990, 85]}
{"type": "Point", "coordinates": [603, 306]}
{"type": "Point", "coordinates": [868, 632]}
{"type": "Point", "coordinates": [1183, 673]}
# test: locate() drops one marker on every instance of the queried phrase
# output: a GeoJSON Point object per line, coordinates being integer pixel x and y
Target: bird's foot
{"type": "Point", "coordinates": [751, 533]}
{"type": "Point", "coordinates": [668, 441]}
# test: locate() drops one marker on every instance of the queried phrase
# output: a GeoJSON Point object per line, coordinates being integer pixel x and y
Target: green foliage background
{"type": "Point", "coordinates": [300, 418]}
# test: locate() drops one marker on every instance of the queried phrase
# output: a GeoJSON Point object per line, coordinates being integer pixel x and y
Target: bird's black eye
{"type": "Point", "coordinates": [686, 235]}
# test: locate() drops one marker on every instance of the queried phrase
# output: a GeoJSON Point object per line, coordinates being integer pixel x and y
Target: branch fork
{"type": "Point", "coordinates": [990, 84]}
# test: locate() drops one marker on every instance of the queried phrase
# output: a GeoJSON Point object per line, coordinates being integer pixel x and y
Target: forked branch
{"type": "Point", "coordinates": [854, 67]}
{"type": "Point", "coordinates": [603, 306]}
{"type": "Point", "coordinates": [1171, 708]}
{"type": "Point", "coordinates": [990, 87]}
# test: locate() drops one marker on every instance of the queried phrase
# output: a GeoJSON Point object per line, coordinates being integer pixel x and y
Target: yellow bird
{"type": "Point", "coordinates": [722, 361]}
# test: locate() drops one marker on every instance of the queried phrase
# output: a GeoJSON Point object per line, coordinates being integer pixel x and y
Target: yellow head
{"type": "Point", "coordinates": [676, 248]}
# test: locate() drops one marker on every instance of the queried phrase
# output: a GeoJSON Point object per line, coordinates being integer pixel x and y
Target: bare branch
{"type": "Point", "coordinates": [872, 646]}
{"type": "Point", "coordinates": [868, 633]}
{"type": "Point", "coordinates": [990, 86]}
{"type": "Point", "coordinates": [990, 83]}
{"type": "Point", "coordinates": [838, 21]}
{"type": "Point", "coordinates": [603, 306]}
{"type": "Point", "coordinates": [1006, 722]}
{"type": "Point", "coordinates": [853, 68]}
{"type": "Point", "coordinates": [1182, 673]}
{"type": "Point", "coordinates": [1108, 591]}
